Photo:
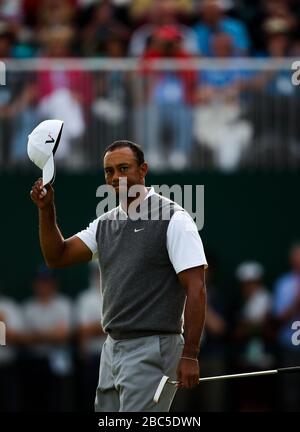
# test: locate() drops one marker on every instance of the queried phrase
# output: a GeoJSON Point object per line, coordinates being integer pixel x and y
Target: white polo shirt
{"type": "Point", "coordinates": [184, 244]}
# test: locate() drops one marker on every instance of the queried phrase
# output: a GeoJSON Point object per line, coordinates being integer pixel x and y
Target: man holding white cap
{"type": "Point", "coordinates": [153, 282]}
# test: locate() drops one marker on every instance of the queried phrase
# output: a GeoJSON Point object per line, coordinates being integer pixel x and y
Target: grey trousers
{"type": "Point", "coordinates": [131, 369]}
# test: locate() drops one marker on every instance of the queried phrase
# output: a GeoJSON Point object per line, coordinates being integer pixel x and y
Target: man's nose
{"type": "Point", "coordinates": [118, 179]}
{"type": "Point", "coordinates": [115, 178]}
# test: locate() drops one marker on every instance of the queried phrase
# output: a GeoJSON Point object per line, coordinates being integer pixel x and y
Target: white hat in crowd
{"type": "Point", "coordinates": [249, 271]}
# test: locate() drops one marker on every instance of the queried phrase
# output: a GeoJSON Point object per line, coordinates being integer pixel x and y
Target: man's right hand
{"type": "Point", "coordinates": [39, 196]}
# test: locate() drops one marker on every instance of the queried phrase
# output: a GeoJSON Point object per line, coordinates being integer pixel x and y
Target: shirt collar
{"type": "Point", "coordinates": [150, 190]}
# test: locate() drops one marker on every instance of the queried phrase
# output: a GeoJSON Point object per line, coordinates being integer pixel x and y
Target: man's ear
{"type": "Point", "coordinates": [143, 170]}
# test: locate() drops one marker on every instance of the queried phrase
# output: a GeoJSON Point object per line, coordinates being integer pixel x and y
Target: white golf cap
{"type": "Point", "coordinates": [249, 271]}
{"type": "Point", "coordinates": [42, 145]}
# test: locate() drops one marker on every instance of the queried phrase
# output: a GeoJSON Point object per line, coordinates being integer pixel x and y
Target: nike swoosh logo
{"type": "Point", "coordinates": [137, 230]}
{"type": "Point", "coordinates": [50, 141]}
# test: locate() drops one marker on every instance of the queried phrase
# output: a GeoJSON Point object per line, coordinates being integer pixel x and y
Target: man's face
{"type": "Point", "coordinates": [169, 47]}
{"type": "Point", "coordinates": [211, 12]}
{"type": "Point", "coordinates": [122, 162]}
{"type": "Point", "coordinates": [222, 45]}
{"type": "Point", "coordinates": [278, 44]}
{"type": "Point", "coordinates": [163, 11]}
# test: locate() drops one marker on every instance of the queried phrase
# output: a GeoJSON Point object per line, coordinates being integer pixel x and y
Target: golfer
{"type": "Point", "coordinates": [153, 284]}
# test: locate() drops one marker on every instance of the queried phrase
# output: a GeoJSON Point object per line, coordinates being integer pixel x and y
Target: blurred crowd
{"type": "Point", "coordinates": [42, 28]}
{"type": "Point", "coordinates": [183, 117]}
{"type": "Point", "coordinates": [51, 359]}
{"type": "Point", "coordinates": [53, 346]}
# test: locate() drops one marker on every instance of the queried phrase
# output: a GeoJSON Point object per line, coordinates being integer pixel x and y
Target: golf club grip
{"type": "Point", "coordinates": [289, 369]}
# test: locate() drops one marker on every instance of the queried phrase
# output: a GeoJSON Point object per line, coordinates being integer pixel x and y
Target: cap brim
{"type": "Point", "coordinates": [49, 171]}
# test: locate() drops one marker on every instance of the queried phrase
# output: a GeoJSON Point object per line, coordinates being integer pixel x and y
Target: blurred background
{"type": "Point", "coordinates": [206, 88]}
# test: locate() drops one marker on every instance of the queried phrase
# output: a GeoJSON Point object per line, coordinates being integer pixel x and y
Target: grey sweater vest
{"type": "Point", "coordinates": [141, 291]}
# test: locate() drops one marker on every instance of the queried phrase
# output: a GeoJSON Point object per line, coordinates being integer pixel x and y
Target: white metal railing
{"type": "Point", "coordinates": [132, 64]}
{"type": "Point", "coordinates": [201, 113]}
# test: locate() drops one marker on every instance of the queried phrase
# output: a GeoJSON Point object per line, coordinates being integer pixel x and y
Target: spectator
{"type": "Point", "coordinates": [102, 27]}
{"type": "Point", "coordinates": [214, 19]}
{"type": "Point", "coordinates": [90, 336]}
{"type": "Point", "coordinates": [16, 41]}
{"type": "Point", "coordinates": [272, 102]}
{"type": "Point", "coordinates": [47, 363]}
{"type": "Point", "coordinates": [282, 10]}
{"type": "Point", "coordinates": [255, 13]}
{"type": "Point", "coordinates": [55, 13]}
{"type": "Point", "coordinates": [162, 13]}
{"type": "Point", "coordinates": [7, 38]}
{"type": "Point", "coordinates": [278, 45]}
{"type": "Point", "coordinates": [64, 93]}
{"type": "Point", "coordinates": [219, 124]}
{"type": "Point", "coordinates": [11, 316]}
{"type": "Point", "coordinates": [252, 348]}
{"type": "Point", "coordinates": [252, 317]}
{"type": "Point", "coordinates": [6, 46]}
{"type": "Point", "coordinates": [286, 310]}
{"type": "Point", "coordinates": [11, 11]}
{"type": "Point", "coordinates": [278, 37]}
{"type": "Point", "coordinates": [112, 107]}
{"type": "Point", "coordinates": [140, 9]}
{"type": "Point", "coordinates": [168, 103]}
{"type": "Point", "coordinates": [17, 114]}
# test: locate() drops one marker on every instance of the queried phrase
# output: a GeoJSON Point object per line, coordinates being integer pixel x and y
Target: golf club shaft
{"type": "Point", "coordinates": [247, 374]}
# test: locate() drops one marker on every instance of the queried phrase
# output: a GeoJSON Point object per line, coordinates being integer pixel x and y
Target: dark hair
{"type": "Point", "coordinates": [137, 150]}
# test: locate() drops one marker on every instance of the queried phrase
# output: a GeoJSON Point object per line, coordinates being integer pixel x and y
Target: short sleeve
{"type": "Point", "coordinates": [88, 236]}
{"type": "Point", "coordinates": [184, 244]}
